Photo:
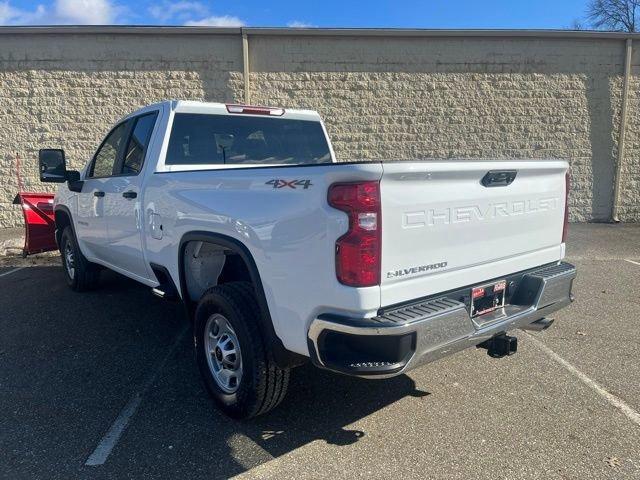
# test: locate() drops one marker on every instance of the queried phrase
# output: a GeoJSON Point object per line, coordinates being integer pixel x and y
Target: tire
{"type": "Point", "coordinates": [81, 275]}
{"type": "Point", "coordinates": [227, 320]}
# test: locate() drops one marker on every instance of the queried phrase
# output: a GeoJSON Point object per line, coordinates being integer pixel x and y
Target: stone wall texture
{"type": "Point", "coordinates": [382, 98]}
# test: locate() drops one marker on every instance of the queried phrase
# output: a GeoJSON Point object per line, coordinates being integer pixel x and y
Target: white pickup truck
{"type": "Point", "coordinates": [280, 254]}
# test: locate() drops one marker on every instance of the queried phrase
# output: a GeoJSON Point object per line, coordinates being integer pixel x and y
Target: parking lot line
{"type": "Point", "coordinates": [104, 448]}
{"type": "Point", "coordinates": [631, 261]}
{"type": "Point", "coordinates": [613, 400]}
{"type": "Point", "coordinates": [12, 271]}
{"type": "Point", "coordinates": [110, 439]}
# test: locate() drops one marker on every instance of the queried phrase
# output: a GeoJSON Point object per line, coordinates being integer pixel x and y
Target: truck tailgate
{"type": "Point", "coordinates": [443, 229]}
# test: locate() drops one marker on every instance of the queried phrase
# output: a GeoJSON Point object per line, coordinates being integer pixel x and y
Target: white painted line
{"type": "Point", "coordinates": [12, 271]}
{"type": "Point", "coordinates": [631, 261]}
{"type": "Point", "coordinates": [617, 402]}
{"type": "Point", "coordinates": [111, 438]}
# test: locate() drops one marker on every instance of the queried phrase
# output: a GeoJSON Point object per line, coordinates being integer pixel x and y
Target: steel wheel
{"type": "Point", "coordinates": [243, 384]}
{"type": "Point", "coordinates": [223, 353]}
{"type": "Point", "coordinates": [69, 261]}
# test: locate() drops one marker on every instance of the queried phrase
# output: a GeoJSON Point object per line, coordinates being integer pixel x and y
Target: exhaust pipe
{"type": "Point", "coordinates": [539, 325]}
{"type": "Point", "coordinates": [500, 346]}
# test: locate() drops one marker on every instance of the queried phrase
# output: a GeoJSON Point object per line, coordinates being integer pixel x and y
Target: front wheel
{"type": "Point", "coordinates": [80, 273]}
{"type": "Point", "coordinates": [236, 364]}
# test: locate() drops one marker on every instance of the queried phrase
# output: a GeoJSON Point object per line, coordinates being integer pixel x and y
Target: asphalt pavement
{"type": "Point", "coordinates": [110, 375]}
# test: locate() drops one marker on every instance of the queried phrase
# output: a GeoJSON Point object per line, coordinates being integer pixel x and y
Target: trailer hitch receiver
{"type": "Point", "coordinates": [500, 346]}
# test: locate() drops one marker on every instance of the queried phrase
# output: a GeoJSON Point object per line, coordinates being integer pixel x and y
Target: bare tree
{"type": "Point", "coordinates": [618, 15]}
{"type": "Point", "coordinates": [576, 25]}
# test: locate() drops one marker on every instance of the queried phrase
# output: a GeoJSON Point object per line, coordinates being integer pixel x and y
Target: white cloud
{"type": "Point", "coordinates": [104, 12]}
{"type": "Point", "coordinates": [76, 12]}
{"type": "Point", "coordinates": [181, 10]}
{"type": "Point", "coordinates": [7, 13]}
{"type": "Point", "coordinates": [299, 24]}
{"type": "Point", "coordinates": [216, 21]}
{"type": "Point", "coordinates": [85, 12]}
{"type": "Point", "coordinates": [15, 16]}
{"type": "Point", "coordinates": [192, 13]}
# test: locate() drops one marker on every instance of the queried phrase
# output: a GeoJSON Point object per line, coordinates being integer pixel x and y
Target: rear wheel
{"type": "Point", "coordinates": [234, 359]}
{"type": "Point", "coordinates": [81, 275]}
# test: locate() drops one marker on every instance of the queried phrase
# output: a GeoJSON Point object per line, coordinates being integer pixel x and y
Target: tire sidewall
{"type": "Point", "coordinates": [68, 238]}
{"type": "Point", "coordinates": [232, 403]}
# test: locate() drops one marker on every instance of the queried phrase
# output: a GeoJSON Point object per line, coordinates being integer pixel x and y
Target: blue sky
{"type": "Point", "coordinates": [314, 13]}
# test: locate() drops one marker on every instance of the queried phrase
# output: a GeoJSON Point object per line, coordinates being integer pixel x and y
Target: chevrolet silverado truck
{"type": "Point", "coordinates": [280, 254]}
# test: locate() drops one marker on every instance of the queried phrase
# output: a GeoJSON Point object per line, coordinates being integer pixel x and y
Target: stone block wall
{"type": "Point", "coordinates": [66, 91]}
{"type": "Point", "coordinates": [382, 97]}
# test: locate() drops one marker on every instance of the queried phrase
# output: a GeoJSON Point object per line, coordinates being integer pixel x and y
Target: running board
{"type": "Point", "coordinates": [158, 292]}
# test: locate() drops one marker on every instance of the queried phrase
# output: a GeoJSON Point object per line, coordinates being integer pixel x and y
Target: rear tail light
{"type": "Point", "coordinates": [565, 228]}
{"type": "Point", "coordinates": [248, 109]}
{"type": "Point", "coordinates": [358, 251]}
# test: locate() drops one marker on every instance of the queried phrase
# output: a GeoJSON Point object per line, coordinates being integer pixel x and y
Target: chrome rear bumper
{"type": "Point", "coordinates": [424, 331]}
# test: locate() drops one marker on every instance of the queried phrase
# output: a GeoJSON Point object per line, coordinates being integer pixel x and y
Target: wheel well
{"type": "Point", "coordinates": [208, 259]}
{"type": "Point", "coordinates": [207, 264]}
{"type": "Point", "coordinates": [62, 221]}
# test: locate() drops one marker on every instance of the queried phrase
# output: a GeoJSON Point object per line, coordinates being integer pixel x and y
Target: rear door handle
{"type": "Point", "coordinates": [98, 194]}
{"type": "Point", "coordinates": [129, 194]}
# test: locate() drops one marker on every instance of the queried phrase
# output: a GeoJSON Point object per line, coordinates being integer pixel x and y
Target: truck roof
{"type": "Point", "coordinates": [217, 108]}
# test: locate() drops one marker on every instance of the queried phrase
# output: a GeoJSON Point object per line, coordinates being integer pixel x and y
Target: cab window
{"type": "Point", "coordinates": [138, 144]}
{"type": "Point", "coordinates": [107, 155]}
{"type": "Point", "coordinates": [227, 139]}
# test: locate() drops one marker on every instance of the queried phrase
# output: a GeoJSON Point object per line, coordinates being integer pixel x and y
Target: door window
{"type": "Point", "coordinates": [138, 143]}
{"type": "Point", "coordinates": [107, 155]}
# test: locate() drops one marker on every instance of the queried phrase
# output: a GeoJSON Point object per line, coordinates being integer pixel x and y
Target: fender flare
{"type": "Point", "coordinates": [67, 212]}
{"type": "Point", "coordinates": [283, 357]}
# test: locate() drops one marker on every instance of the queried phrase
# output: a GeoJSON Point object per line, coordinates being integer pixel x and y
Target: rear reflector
{"type": "Point", "coordinates": [358, 251]}
{"type": "Point", "coordinates": [565, 227]}
{"type": "Point", "coordinates": [248, 109]}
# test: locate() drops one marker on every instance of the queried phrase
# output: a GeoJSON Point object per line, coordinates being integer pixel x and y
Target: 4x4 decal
{"type": "Point", "coordinates": [279, 183]}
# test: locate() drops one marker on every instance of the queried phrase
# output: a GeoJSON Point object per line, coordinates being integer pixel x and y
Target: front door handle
{"type": "Point", "coordinates": [129, 194]}
{"type": "Point", "coordinates": [98, 194]}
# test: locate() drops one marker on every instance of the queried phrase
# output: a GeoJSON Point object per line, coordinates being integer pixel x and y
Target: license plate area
{"type": "Point", "coordinates": [487, 298]}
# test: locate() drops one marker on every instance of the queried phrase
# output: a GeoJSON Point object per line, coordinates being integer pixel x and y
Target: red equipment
{"type": "Point", "coordinates": [39, 218]}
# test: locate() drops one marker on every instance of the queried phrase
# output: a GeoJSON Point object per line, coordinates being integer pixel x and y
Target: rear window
{"type": "Point", "coordinates": [227, 139]}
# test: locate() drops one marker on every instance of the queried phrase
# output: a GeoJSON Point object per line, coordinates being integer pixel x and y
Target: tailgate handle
{"type": "Point", "coordinates": [498, 178]}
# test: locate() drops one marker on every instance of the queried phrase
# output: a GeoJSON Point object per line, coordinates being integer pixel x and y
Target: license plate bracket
{"type": "Point", "coordinates": [487, 298]}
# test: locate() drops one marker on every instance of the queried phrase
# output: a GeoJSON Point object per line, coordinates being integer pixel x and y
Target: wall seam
{"type": "Point", "coordinates": [623, 126]}
{"type": "Point", "coordinates": [245, 68]}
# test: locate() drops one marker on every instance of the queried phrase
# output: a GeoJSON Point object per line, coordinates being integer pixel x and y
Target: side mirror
{"type": "Point", "coordinates": [73, 176]}
{"type": "Point", "coordinates": [53, 167]}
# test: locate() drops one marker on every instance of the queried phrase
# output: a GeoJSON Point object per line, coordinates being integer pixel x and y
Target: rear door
{"type": "Point", "coordinates": [450, 224]}
{"type": "Point", "coordinates": [123, 199]}
{"type": "Point", "coordinates": [91, 224]}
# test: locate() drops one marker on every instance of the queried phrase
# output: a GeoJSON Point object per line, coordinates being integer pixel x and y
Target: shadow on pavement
{"type": "Point", "coordinates": [69, 362]}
